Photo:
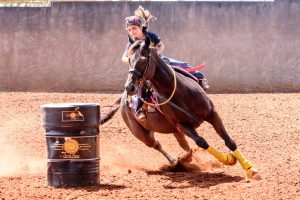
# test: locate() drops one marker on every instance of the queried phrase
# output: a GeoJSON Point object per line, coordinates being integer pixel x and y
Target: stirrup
{"type": "Point", "coordinates": [141, 115]}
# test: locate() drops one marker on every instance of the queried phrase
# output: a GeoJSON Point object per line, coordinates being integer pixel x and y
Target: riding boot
{"type": "Point", "coordinates": [204, 83]}
{"type": "Point", "coordinates": [141, 114]}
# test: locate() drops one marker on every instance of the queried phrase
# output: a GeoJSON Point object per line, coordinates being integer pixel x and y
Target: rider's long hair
{"type": "Point", "coordinates": [146, 15]}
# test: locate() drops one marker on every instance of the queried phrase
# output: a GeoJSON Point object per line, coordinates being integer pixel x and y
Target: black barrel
{"type": "Point", "coordinates": [72, 136]}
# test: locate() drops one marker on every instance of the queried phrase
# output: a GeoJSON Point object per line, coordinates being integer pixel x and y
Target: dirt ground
{"type": "Point", "coordinates": [266, 127]}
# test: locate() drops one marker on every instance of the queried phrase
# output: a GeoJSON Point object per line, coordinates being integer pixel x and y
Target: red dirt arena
{"type": "Point", "coordinates": [266, 127]}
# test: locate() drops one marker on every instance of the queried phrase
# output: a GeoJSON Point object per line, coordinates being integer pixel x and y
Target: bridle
{"type": "Point", "coordinates": [145, 76]}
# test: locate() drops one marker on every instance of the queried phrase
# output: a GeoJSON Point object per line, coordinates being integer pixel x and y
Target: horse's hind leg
{"type": "Point", "coordinates": [215, 120]}
{"type": "Point", "coordinates": [227, 159]}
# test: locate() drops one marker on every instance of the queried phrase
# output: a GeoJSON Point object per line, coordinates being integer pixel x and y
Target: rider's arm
{"type": "Point", "coordinates": [125, 58]}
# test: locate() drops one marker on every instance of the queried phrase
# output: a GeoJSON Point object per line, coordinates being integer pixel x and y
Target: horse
{"type": "Point", "coordinates": [184, 106]}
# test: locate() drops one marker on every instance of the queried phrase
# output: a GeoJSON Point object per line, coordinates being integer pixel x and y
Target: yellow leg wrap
{"type": "Point", "coordinates": [226, 159]}
{"type": "Point", "coordinates": [246, 164]}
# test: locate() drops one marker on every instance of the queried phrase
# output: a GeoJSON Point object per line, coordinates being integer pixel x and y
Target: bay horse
{"type": "Point", "coordinates": [184, 105]}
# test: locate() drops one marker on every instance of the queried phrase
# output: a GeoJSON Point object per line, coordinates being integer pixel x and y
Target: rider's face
{"type": "Point", "coordinates": [135, 31]}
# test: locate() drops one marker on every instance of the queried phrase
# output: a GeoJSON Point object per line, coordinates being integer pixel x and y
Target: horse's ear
{"type": "Point", "coordinates": [147, 42]}
{"type": "Point", "coordinates": [130, 39]}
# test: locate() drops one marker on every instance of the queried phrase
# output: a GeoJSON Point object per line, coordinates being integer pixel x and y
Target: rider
{"type": "Point", "coordinates": [137, 26]}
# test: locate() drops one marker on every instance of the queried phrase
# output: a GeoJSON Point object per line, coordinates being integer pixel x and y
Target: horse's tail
{"type": "Point", "coordinates": [109, 111]}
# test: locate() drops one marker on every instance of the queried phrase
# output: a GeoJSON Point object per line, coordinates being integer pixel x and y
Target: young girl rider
{"type": "Point", "coordinates": [137, 26]}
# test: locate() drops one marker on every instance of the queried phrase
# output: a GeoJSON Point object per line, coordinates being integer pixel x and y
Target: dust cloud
{"type": "Point", "coordinates": [13, 162]}
{"type": "Point", "coordinates": [121, 159]}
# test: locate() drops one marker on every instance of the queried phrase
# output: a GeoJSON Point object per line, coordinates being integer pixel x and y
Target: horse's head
{"type": "Point", "coordinates": [139, 62]}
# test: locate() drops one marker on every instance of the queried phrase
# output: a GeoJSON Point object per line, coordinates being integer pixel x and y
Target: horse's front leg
{"type": "Point", "coordinates": [159, 148]}
{"type": "Point", "coordinates": [144, 135]}
{"type": "Point", "coordinates": [217, 123]}
{"type": "Point", "coordinates": [180, 137]}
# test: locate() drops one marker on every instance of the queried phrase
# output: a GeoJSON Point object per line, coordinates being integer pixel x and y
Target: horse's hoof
{"type": "Point", "coordinates": [173, 162]}
{"type": "Point", "coordinates": [231, 160]}
{"type": "Point", "coordinates": [187, 158]}
{"type": "Point", "coordinates": [252, 173]}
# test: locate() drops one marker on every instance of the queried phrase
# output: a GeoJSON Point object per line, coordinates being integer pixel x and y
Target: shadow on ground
{"type": "Point", "coordinates": [192, 177]}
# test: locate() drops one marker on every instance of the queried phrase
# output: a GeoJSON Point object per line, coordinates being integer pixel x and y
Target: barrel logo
{"type": "Point", "coordinates": [71, 146]}
{"type": "Point", "coordinates": [75, 115]}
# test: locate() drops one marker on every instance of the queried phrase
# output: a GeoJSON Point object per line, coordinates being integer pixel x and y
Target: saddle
{"type": "Point", "coordinates": [185, 68]}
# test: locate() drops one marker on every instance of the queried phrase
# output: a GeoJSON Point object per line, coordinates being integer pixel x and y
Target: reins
{"type": "Point", "coordinates": [174, 89]}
